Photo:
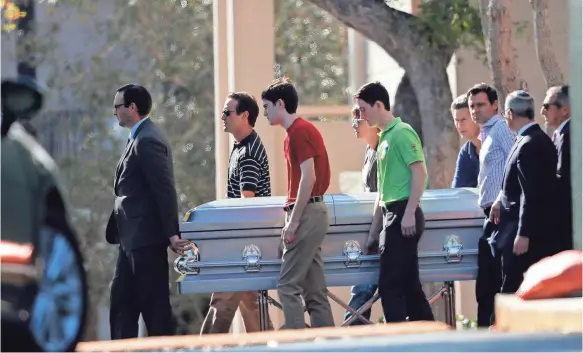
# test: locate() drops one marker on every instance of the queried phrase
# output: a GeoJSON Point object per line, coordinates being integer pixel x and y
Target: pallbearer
{"type": "Point", "coordinates": [248, 177]}
{"type": "Point", "coordinates": [402, 178]}
{"type": "Point", "coordinates": [306, 222]}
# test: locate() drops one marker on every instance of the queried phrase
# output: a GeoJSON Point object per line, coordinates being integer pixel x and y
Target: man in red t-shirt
{"type": "Point", "coordinates": [306, 221]}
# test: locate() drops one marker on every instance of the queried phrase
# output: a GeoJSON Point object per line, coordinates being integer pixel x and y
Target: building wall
{"type": "Point", "coordinates": [471, 70]}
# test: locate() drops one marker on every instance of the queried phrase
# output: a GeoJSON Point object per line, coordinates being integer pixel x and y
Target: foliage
{"type": "Point", "coordinates": [11, 13]}
{"type": "Point", "coordinates": [451, 23]}
{"type": "Point", "coordinates": [312, 49]}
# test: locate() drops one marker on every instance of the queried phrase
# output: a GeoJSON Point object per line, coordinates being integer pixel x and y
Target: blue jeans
{"type": "Point", "coordinates": [360, 295]}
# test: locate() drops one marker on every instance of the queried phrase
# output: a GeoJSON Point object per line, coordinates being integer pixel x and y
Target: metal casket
{"type": "Point", "coordinates": [236, 241]}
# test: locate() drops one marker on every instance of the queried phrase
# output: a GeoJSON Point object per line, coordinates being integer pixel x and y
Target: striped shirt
{"type": "Point", "coordinates": [497, 140]}
{"type": "Point", "coordinates": [248, 168]}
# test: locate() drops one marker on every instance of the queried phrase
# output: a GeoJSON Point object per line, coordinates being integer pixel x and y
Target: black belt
{"type": "Point", "coordinates": [290, 206]}
{"type": "Point", "coordinates": [394, 205]}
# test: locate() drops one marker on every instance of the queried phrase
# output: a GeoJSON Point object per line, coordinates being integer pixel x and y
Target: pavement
{"type": "Point", "coordinates": [402, 337]}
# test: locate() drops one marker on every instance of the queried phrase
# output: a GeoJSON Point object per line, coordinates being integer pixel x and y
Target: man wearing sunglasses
{"type": "Point", "coordinates": [361, 294]}
{"type": "Point", "coordinates": [248, 177]}
{"type": "Point", "coordinates": [557, 113]}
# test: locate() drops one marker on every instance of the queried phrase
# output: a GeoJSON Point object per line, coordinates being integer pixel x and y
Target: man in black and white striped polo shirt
{"type": "Point", "coordinates": [248, 177]}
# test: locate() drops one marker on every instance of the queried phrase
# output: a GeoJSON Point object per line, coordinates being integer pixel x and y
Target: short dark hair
{"type": "Point", "coordinates": [372, 92]}
{"type": "Point", "coordinates": [138, 95]}
{"type": "Point", "coordinates": [246, 103]}
{"type": "Point", "coordinates": [282, 88]}
{"type": "Point", "coordinates": [484, 88]}
{"type": "Point", "coordinates": [460, 102]}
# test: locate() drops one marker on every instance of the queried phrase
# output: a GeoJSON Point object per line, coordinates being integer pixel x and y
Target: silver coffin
{"type": "Point", "coordinates": [237, 241]}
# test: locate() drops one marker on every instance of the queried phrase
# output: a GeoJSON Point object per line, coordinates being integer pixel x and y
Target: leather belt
{"type": "Point", "coordinates": [290, 206]}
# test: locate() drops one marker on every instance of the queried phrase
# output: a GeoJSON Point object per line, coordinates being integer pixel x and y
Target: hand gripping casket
{"type": "Point", "coordinates": [235, 242]}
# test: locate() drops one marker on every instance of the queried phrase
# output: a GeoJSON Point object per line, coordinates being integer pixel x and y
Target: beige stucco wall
{"type": "Point", "coordinates": [471, 70]}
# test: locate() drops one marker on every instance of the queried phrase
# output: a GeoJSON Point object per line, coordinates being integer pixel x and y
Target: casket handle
{"type": "Point", "coordinates": [187, 265]}
{"type": "Point", "coordinates": [352, 253]}
{"type": "Point", "coordinates": [252, 256]}
{"type": "Point", "coordinates": [453, 248]}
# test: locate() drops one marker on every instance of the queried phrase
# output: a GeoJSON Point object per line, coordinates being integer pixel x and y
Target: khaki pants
{"type": "Point", "coordinates": [222, 311]}
{"type": "Point", "coordinates": [302, 272]}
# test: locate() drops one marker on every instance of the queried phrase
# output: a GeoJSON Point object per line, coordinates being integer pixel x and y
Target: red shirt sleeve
{"type": "Point", "coordinates": [302, 145]}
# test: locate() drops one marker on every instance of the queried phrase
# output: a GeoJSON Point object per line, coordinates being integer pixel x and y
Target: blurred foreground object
{"type": "Point", "coordinates": [44, 290]}
{"type": "Point", "coordinates": [549, 299]}
{"type": "Point", "coordinates": [554, 277]}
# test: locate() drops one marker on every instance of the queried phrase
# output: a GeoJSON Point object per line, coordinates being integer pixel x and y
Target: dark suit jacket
{"type": "Point", "coordinates": [529, 193]}
{"type": "Point", "coordinates": [565, 207]}
{"type": "Point", "coordinates": [145, 210]}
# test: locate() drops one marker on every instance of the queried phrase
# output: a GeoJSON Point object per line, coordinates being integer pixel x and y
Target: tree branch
{"type": "Point", "coordinates": [391, 29]}
{"type": "Point", "coordinates": [544, 46]}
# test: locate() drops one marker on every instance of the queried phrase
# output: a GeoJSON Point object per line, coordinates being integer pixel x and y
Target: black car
{"type": "Point", "coordinates": [44, 288]}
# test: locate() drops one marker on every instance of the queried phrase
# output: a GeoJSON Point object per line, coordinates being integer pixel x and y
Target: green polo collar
{"type": "Point", "coordinates": [393, 123]}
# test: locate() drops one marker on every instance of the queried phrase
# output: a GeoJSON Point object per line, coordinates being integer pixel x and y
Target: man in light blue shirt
{"type": "Point", "coordinates": [497, 140]}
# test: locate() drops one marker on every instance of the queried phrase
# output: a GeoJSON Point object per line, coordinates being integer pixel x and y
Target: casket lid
{"type": "Point", "coordinates": [244, 213]}
{"type": "Point", "coordinates": [437, 204]}
{"type": "Point", "coordinates": [267, 212]}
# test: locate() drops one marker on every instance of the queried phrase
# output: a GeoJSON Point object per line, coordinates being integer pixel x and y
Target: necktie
{"type": "Point", "coordinates": [554, 136]}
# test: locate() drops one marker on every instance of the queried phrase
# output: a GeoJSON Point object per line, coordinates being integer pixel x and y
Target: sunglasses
{"type": "Point", "coordinates": [546, 106]}
{"type": "Point", "coordinates": [227, 112]}
{"type": "Point", "coordinates": [356, 122]}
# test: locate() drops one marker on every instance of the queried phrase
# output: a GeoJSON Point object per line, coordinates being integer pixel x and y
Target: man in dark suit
{"type": "Point", "coordinates": [523, 209]}
{"type": "Point", "coordinates": [144, 221]}
{"type": "Point", "coordinates": [557, 113]}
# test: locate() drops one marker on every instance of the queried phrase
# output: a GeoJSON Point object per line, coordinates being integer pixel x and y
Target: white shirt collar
{"type": "Point", "coordinates": [523, 129]}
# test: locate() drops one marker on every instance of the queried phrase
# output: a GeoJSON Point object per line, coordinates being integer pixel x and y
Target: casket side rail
{"type": "Point", "coordinates": [236, 242]}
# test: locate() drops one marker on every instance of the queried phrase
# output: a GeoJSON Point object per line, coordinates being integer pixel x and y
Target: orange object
{"type": "Point", "coordinates": [555, 276]}
{"type": "Point", "coordinates": [14, 253]}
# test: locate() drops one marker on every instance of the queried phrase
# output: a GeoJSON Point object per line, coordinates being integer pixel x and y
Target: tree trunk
{"type": "Point", "coordinates": [497, 27]}
{"type": "Point", "coordinates": [407, 106]}
{"type": "Point", "coordinates": [544, 46]}
{"type": "Point", "coordinates": [411, 47]}
{"type": "Point", "coordinates": [425, 82]}
{"type": "Point", "coordinates": [428, 77]}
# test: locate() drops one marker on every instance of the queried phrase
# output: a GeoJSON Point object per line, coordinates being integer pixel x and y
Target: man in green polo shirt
{"type": "Point", "coordinates": [402, 179]}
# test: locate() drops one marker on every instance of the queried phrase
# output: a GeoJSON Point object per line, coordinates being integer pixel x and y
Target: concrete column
{"type": "Point", "coordinates": [251, 59]}
{"type": "Point", "coordinates": [221, 76]}
{"type": "Point", "coordinates": [575, 60]}
{"type": "Point", "coordinates": [357, 54]}
{"type": "Point", "coordinates": [248, 61]}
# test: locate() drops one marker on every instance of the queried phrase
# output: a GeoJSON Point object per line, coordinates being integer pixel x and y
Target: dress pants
{"type": "Point", "coordinates": [141, 284]}
{"type": "Point", "coordinates": [302, 272]}
{"type": "Point", "coordinates": [400, 288]}
{"type": "Point", "coordinates": [489, 278]}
